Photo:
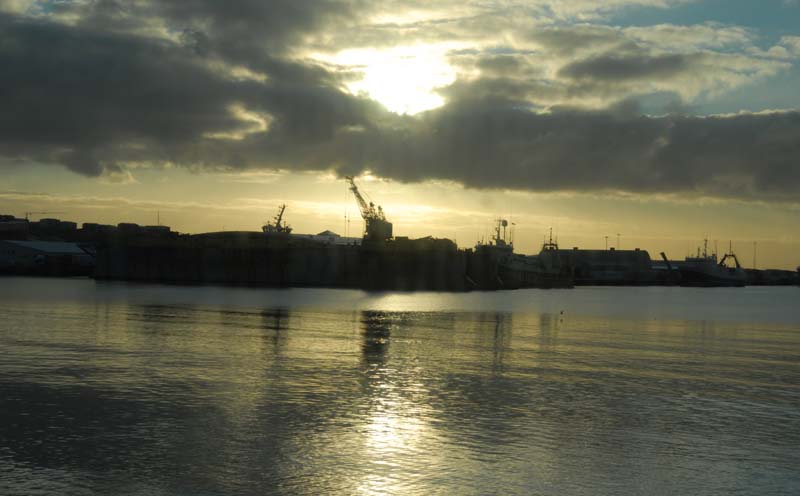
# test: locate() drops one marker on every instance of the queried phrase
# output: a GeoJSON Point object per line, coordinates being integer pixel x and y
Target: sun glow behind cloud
{"type": "Point", "coordinates": [403, 79]}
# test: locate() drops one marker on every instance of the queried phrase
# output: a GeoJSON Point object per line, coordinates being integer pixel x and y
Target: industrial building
{"type": "Point", "coordinates": [44, 258]}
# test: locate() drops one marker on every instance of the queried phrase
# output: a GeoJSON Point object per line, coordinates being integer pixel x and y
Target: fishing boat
{"type": "Point", "coordinates": [504, 269]}
{"type": "Point", "coordinates": [704, 270]}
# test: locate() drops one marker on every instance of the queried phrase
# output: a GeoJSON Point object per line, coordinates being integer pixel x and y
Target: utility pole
{"type": "Point", "coordinates": [28, 214]}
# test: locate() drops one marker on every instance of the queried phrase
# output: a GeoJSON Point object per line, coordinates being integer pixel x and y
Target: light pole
{"type": "Point", "coordinates": [606, 242]}
{"type": "Point", "coordinates": [617, 241]}
{"type": "Point", "coordinates": [755, 245]}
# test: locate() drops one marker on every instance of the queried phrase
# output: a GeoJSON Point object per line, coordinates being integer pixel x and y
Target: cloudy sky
{"type": "Point", "coordinates": [663, 121]}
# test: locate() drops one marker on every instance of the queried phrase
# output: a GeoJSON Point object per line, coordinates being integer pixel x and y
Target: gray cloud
{"type": "Point", "coordinates": [156, 82]}
{"type": "Point", "coordinates": [87, 98]}
{"type": "Point", "coordinates": [503, 145]}
{"type": "Point", "coordinates": [68, 91]}
{"type": "Point", "coordinates": [618, 69]}
{"type": "Point", "coordinates": [592, 66]}
{"type": "Point", "coordinates": [575, 40]}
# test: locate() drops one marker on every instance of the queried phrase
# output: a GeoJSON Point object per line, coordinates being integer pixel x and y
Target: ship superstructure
{"type": "Point", "coordinates": [277, 226]}
{"type": "Point", "coordinates": [496, 266]}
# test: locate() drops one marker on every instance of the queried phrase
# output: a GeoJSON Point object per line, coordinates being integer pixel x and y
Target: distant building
{"type": "Point", "coordinates": [328, 237]}
{"type": "Point", "coordinates": [613, 267]}
{"type": "Point", "coordinates": [163, 230]}
{"type": "Point", "coordinates": [129, 228]}
{"type": "Point", "coordinates": [95, 228]}
{"type": "Point", "coordinates": [13, 228]}
{"type": "Point", "coordinates": [57, 225]}
{"type": "Point", "coordinates": [44, 258]}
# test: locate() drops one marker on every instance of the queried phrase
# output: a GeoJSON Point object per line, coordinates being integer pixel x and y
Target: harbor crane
{"type": "Point", "coordinates": [377, 228]}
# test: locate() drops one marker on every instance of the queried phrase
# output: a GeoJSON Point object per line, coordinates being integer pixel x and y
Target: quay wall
{"type": "Point", "coordinates": [255, 260]}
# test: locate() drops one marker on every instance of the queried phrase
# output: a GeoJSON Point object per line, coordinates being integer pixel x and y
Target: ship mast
{"type": "Point", "coordinates": [279, 217]}
{"type": "Point", "coordinates": [550, 244]}
{"type": "Point", "coordinates": [498, 239]}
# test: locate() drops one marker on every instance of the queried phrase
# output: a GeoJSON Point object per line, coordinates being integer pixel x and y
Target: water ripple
{"type": "Point", "coordinates": [124, 396]}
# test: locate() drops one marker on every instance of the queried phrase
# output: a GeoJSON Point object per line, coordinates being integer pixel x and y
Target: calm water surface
{"type": "Point", "coordinates": [109, 388]}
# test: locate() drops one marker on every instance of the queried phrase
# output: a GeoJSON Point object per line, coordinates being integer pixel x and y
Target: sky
{"type": "Point", "coordinates": [633, 123]}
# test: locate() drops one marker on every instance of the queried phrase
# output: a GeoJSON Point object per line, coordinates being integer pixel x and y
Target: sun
{"type": "Point", "coordinates": [402, 79]}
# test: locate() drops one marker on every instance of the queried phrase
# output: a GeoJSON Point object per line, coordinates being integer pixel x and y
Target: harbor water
{"type": "Point", "coordinates": [131, 389]}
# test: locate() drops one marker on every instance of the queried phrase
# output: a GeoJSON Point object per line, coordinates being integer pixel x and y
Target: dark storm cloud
{"type": "Point", "coordinates": [86, 97]}
{"type": "Point", "coordinates": [618, 69]}
{"type": "Point", "coordinates": [499, 144]}
{"type": "Point", "coordinates": [67, 92]}
{"type": "Point", "coordinates": [257, 34]}
{"type": "Point", "coordinates": [107, 90]}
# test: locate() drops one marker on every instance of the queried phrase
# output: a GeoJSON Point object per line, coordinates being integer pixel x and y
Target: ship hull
{"type": "Point", "coordinates": [712, 278]}
{"type": "Point", "coordinates": [490, 268]}
{"type": "Point", "coordinates": [520, 279]}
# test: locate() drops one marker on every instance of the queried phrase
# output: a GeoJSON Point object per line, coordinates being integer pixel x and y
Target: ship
{"type": "Point", "coordinates": [494, 265]}
{"type": "Point", "coordinates": [704, 270]}
{"type": "Point", "coordinates": [278, 227]}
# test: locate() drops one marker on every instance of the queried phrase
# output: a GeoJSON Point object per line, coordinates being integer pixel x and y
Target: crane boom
{"type": "Point", "coordinates": [377, 228]}
{"type": "Point", "coordinates": [366, 212]}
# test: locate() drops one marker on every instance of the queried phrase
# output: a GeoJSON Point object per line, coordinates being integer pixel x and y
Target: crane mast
{"type": "Point", "coordinates": [377, 227]}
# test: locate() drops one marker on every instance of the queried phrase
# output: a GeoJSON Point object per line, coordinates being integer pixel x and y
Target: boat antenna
{"type": "Point", "coordinates": [511, 220]}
